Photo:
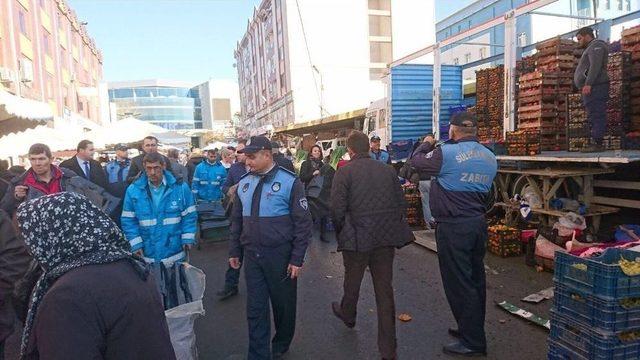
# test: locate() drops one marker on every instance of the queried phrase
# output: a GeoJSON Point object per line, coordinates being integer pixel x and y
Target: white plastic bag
{"type": "Point", "coordinates": [181, 319]}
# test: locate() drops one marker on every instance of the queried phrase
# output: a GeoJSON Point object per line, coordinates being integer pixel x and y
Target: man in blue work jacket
{"type": "Point", "coordinates": [376, 152]}
{"type": "Point", "coordinates": [159, 214]}
{"type": "Point", "coordinates": [272, 223]}
{"type": "Point", "coordinates": [208, 179]}
{"type": "Point", "coordinates": [462, 173]}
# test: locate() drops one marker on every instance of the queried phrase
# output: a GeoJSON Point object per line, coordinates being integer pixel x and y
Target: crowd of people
{"type": "Point", "coordinates": [78, 238]}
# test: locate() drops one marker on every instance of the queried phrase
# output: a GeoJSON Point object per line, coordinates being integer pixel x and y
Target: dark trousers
{"type": "Point", "coordinates": [461, 249]}
{"type": "Point", "coordinates": [232, 276]}
{"type": "Point", "coordinates": [596, 106]}
{"type": "Point", "coordinates": [267, 281]}
{"type": "Point", "coordinates": [380, 262]}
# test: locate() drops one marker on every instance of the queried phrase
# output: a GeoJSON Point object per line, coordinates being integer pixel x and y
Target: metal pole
{"type": "Point", "coordinates": [510, 54]}
{"type": "Point", "coordinates": [436, 91]}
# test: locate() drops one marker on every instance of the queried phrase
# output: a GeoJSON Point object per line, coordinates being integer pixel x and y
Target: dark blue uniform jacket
{"type": "Point", "coordinates": [463, 171]}
{"type": "Point", "coordinates": [275, 215]}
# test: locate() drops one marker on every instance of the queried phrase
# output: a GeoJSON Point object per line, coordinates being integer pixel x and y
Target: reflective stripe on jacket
{"type": "Point", "coordinates": [207, 181]}
{"type": "Point", "coordinates": [160, 233]}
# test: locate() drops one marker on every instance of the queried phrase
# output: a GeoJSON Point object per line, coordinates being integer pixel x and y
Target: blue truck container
{"type": "Point", "coordinates": [412, 99]}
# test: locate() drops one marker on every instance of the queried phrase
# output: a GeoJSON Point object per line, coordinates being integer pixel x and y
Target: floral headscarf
{"type": "Point", "coordinates": [65, 231]}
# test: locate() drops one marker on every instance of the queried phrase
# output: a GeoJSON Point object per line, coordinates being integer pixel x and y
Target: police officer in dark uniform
{"type": "Point", "coordinates": [462, 171]}
{"type": "Point", "coordinates": [272, 223]}
{"type": "Point", "coordinates": [376, 152]}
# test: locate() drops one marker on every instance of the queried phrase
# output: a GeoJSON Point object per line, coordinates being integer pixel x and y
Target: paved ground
{"type": "Point", "coordinates": [222, 333]}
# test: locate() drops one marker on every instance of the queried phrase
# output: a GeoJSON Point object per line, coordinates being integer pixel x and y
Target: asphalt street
{"type": "Point", "coordinates": [222, 332]}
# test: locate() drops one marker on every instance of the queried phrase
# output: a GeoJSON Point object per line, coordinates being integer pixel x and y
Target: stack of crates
{"type": "Point", "coordinates": [596, 312]}
{"type": "Point", "coordinates": [490, 103]}
{"type": "Point", "coordinates": [631, 43]}
{"type": "Point", "coordinates": [542, 93]}
{"type": "Point", "coordinates": [523, 142]}
{"type": "Point", "coordinates": [619, 71]}
{"type": "Point", "coordinates": [578, 129]}
{"type": "Point", "coordinates": [414, 205]}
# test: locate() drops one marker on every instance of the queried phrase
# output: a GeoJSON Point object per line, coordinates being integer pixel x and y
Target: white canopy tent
{"type": "Point", "coordinates": [215, 145]}
{"type": "Point", "coordinates": [125, 131]}
{"type": "Point", "coordinates": [58, 139]}
{"type": "Point", "coordinates": [18, 114]}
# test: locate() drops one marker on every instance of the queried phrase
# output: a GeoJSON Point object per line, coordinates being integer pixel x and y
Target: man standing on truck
{"type": "Point", "coordinates": [592, 79]}
{"type": "Point", "coordinates": [376, 153]}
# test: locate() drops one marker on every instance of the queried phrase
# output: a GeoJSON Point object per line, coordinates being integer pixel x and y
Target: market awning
{"type": "Point", "coordinates": [18, 114]}
{"type": "Point", "coordinates": [334, 122]}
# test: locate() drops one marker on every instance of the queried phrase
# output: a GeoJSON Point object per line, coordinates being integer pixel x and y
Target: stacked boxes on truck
{"type": "Point", "coordinates": [631, 43]}
{"type": "Point", "coordinates": [542, 93]}
{"type": "Point", "coordinates": [619, 70]}
{"type": "Point", "coordinates": [490, 103]}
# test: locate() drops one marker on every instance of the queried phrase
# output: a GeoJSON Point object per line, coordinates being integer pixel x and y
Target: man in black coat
{"type": "Point", "coordinates": [149, 145]}
{"type": "Point", "coordinates": [369, 213]}
{"type": "Point", "coordinates": [14, 263]}
{"type": "Point", "coordinates": [84, 165]}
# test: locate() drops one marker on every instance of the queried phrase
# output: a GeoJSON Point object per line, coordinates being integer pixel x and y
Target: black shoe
{"type": "Point", "coordinates": [457, 348]}
{"type": "Point", "coordinates": [593, 148]}
{"type": "Point", "coordinates": [338, 313]}
{"type": "Point", "coordinates": [227, 293]}
{"type": "Point", "coordinates": [455, 333]}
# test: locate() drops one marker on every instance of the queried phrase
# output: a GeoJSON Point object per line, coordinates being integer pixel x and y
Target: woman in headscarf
{"type": "Point", "coordinates": [94, 300]}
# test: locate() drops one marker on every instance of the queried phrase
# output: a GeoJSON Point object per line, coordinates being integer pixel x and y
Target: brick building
{"type": "Point", "coordinates": [47, 55]}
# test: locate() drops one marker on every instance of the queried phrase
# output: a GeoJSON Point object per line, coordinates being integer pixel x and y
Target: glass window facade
{"type": "Point", "coordinates": [173, 108]}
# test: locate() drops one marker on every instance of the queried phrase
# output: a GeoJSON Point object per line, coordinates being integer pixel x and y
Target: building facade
{"type": "Point", "coordinates": [303, 60]}
{"type": "Point", "coordinates": [175, 105]}
{"type": "Point", "coordinates": [530, 28]}
{"type": "Point", "coordinates": [47, 55]}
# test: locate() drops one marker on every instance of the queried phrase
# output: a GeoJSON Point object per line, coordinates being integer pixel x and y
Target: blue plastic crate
{"type": "Point", "coordinates": [590, 310]}
{"type": "Point", "coordinates": [591, 343]}
{"type": "Point", "coordinates": [600, 276]}
{"type": "Point", "coordinates": [557, 351]}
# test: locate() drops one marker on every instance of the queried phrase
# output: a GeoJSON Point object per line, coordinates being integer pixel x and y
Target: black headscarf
{"type": "Point", "coordinates": [65, 231]}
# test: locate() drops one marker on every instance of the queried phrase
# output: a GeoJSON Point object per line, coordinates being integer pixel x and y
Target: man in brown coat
{"type": "Point", "coordinates": [369, 216]}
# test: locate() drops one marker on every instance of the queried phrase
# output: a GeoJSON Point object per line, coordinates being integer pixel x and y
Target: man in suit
{"type": "Point", "coordinates": [149, 146]}
{"type": "Point", "coordinates": [84, 165]}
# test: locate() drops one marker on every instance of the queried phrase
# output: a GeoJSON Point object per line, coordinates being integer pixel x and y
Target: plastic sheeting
{"type": "Point", "coordinates": [181, 319]}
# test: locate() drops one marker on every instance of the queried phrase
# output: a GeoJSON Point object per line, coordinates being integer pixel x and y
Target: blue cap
{"type": "Point", "coordinates": [255, 144]}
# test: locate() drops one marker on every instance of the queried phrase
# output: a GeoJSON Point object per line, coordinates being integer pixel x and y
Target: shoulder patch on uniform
{"type": "Point", "coordinates": [304, 204]}
{"type": "Point", "coordinates": [245, 187]}
{"type": "Point", "coordinates": [287, 171]}
{"type": "Point", "coordinates": [276, 186]}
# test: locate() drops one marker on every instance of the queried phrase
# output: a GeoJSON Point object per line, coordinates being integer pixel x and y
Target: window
{"type": "Point", "coordinates": [467, 58]}
{"type": "Point", "coordinates": [22, 21]}
{"type": "Point", "coordinates": [522, 39]}
{"type": "Point", "coordinates": [607, 4]}
{"type": "Point", "coordinates": [456, 61]}
{"type": "Point", "coordinates": [42, 2]}
{"type": "Point", "coordinates": [483, 53]}
{"type": "Point", "coordinates": [46, 43]}
{"type": "Point", "coordinates": [380, 52]}
{"type": "Point", "coordinates": [619, 4]}
{"type": "Point", "coordinates": [380, 5]}
{"type": "Point", "coordinates": [379, 25]}
{"type": "Point", "coordinates": [628, 5]}
{"type": "Point", "coordinates": [49, 87]}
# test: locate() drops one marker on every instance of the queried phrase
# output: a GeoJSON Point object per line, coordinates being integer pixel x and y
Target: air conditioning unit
{"type": "Point", "coordinates": [6, 75]}
{"type": "Point", "coordinates": [26, 70]}
{"type": "Point", "coordinates": [73, 78]}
